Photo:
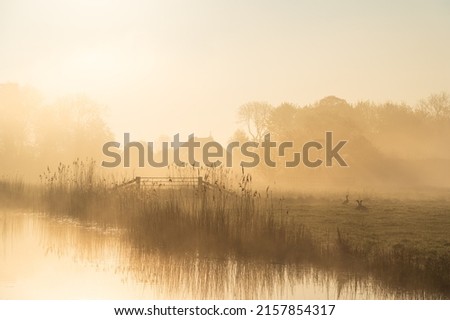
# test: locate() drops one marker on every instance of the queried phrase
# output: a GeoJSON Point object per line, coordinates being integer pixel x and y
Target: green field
{"type": "Point", "coordinates": [419, 225]}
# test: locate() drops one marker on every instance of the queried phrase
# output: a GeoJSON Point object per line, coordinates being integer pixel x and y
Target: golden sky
{"type": "Point", "coordinates": [163, 67]}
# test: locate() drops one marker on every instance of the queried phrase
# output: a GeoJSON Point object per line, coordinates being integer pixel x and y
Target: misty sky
{"type": "Point", "coordinates": [149, 61]}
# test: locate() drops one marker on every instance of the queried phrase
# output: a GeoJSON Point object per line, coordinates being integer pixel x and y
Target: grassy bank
{"type": "Point", "coordinates": [404, 240]}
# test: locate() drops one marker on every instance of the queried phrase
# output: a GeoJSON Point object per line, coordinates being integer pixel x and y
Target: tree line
{"type": "Point", "coordinates": [388, 143]}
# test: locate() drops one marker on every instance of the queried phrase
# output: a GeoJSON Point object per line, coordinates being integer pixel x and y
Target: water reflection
{"type": "Point", "coordinates": [44, 258]}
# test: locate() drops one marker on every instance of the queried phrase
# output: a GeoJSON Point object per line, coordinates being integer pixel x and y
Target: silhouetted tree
{"type": "Point", "coordinates": [255, 116]}
{"type": "Point", "coordinates": [436, 105]}
{"type": "Point", "coordinates": [282, 120]}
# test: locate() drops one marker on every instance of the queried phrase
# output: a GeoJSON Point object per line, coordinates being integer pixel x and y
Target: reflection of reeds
{"type": "Point", "coordinates": [163, 275]}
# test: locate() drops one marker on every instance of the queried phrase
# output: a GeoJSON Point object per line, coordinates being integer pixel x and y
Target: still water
{"type": "Point", "coordinates": [45, 258]}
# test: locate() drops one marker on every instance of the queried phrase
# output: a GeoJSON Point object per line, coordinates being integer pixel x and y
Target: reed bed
{"type": "Point", "coordinates": [221, 221]}
{"type": "Point", "coordinates": [16, 194]}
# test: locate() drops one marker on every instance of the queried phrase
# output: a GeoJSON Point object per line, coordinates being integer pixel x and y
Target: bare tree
{"type": "Point", "coordinates": [255, 115]}
{"type": "Point", "coordinates": [436, 105]}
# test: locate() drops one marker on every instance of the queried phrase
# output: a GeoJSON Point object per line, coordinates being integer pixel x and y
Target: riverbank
{"type": "Point", "coordinates": [399, 243]}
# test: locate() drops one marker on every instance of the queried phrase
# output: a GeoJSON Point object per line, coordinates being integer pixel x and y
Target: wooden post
{"type": "Point", "coordinates": [200, 182]}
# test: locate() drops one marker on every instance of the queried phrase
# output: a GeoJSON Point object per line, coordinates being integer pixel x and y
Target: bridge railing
{"type": "Point", "coordinates": [152, 182]}
{"type": "Point", "coordinates": [171, 182]}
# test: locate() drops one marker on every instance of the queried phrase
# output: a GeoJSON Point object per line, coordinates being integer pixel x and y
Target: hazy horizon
{"type": "Point", "coordinates": [148, 61]}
